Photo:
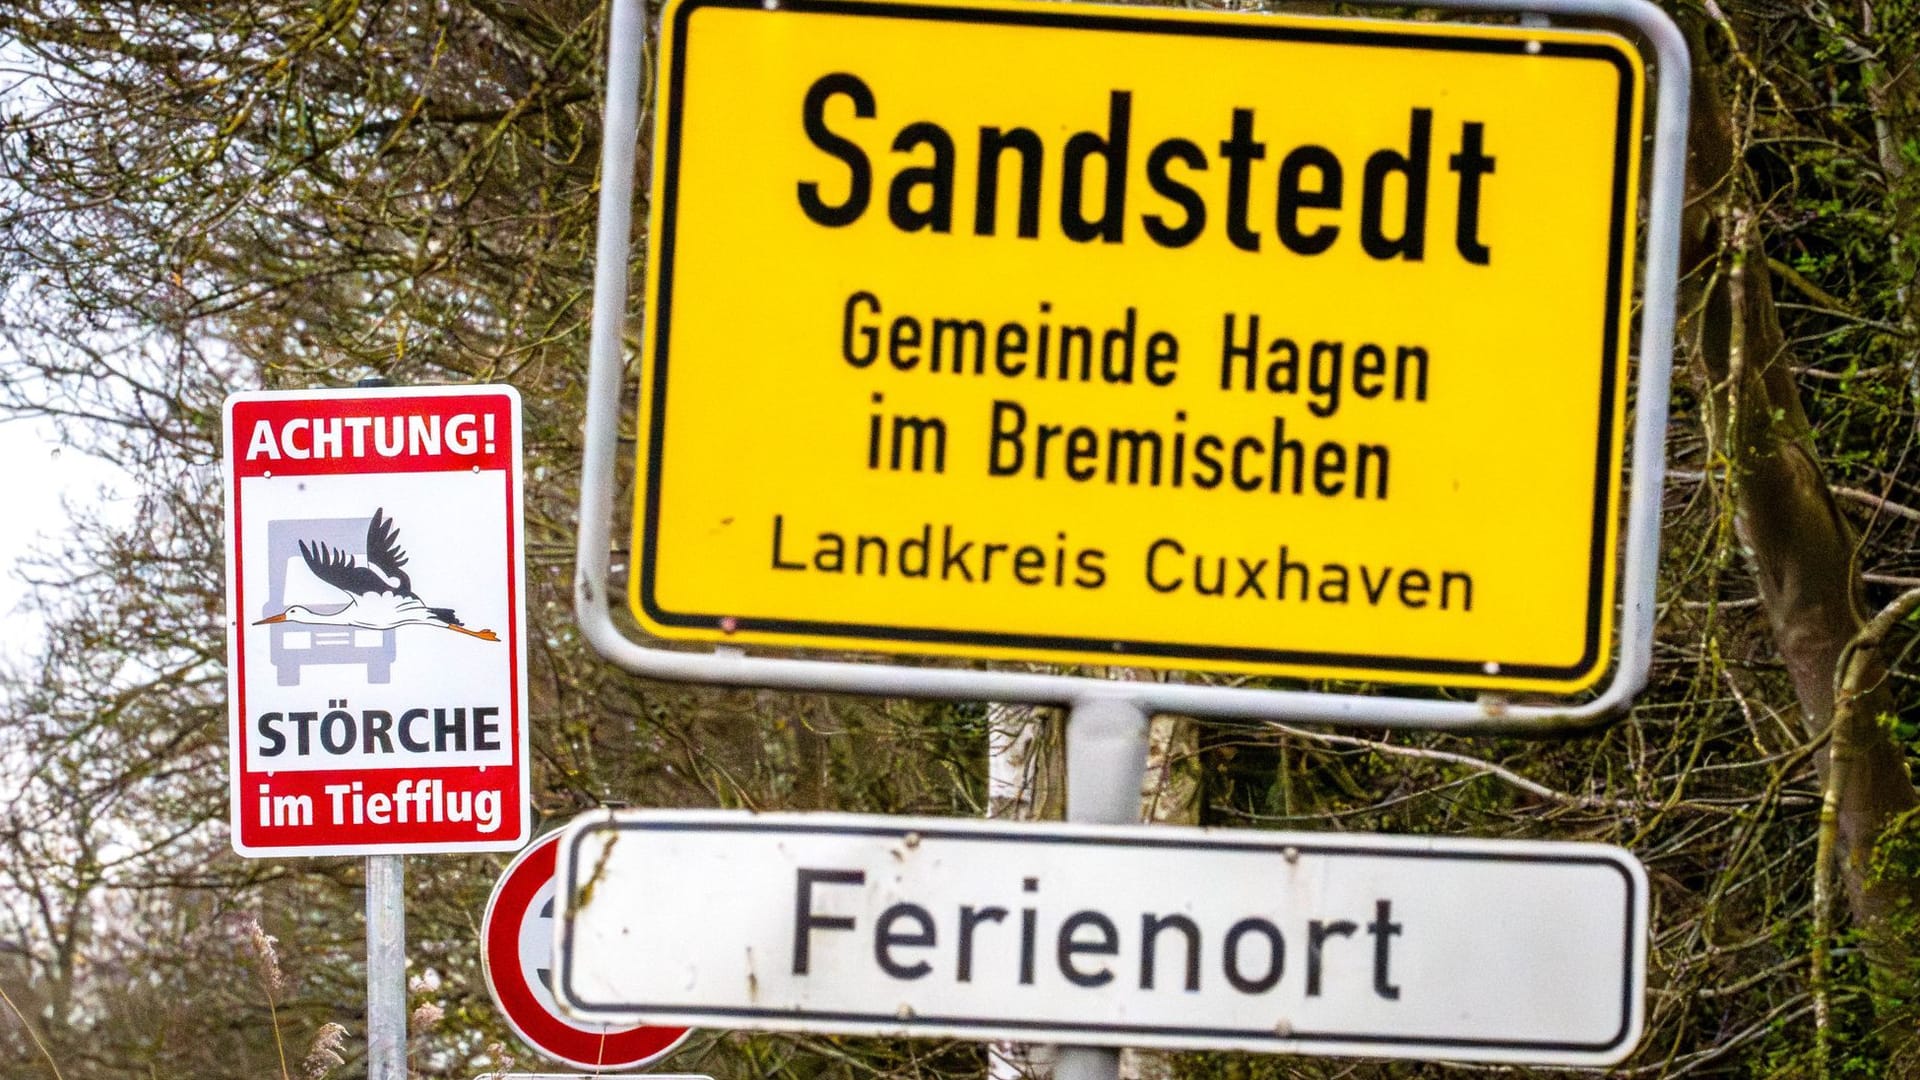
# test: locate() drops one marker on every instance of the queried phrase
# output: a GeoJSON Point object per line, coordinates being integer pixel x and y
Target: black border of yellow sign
{"type": "Point", "coordinates": [1502, 40]}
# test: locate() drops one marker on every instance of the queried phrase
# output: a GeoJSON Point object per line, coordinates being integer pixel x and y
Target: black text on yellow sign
{"type": "Point", "coordinates": [1120, 335]}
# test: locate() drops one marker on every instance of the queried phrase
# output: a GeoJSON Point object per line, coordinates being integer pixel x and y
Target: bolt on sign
{"type": "Point", "coordinates": [1378, 946]}
{"type": "Point", "coordinates": [376, 618]}
{"type": "Point", "coordinates": [1070, 333]}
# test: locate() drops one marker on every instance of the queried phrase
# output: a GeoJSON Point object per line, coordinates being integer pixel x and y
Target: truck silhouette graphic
{"type": "Point", "coordinates": [294, 646]}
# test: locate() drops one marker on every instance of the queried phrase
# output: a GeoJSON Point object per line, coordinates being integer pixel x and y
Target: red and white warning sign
{"type": "Point", "coordinates": [376, 621]}
{"type": "Point", "coordinates": [516, 955]}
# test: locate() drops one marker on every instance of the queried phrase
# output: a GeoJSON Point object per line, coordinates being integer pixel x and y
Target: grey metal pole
{"type": "Point", "coordinates": [386, 967]}
{"type": "Point", "coordinates": [386, 947]}
{"type": "Point", "coordinates": [1106, 764]}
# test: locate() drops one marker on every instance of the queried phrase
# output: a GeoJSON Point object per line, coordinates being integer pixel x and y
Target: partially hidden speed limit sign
{"type": "Point", "coordinates": [516, 955]}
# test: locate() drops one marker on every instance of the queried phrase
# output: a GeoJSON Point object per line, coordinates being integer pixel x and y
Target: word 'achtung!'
{"type": "Point", "coordinates": [321, 438]}
{"type": "Point", "coordinates": [1311, 183]}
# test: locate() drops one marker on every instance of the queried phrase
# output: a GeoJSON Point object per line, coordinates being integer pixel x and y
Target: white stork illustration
{"type": "Point", "coordinates": [375, 601]}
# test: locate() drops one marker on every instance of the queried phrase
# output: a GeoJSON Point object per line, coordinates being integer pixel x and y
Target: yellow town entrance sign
{"type": "Point", "coordinates": [1126, 335]}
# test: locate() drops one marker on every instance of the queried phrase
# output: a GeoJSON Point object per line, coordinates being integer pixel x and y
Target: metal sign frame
{"type": "Point", "coordinates": [1670, 70]}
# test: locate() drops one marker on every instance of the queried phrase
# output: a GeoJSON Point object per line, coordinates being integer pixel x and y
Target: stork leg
{"type": "Point", "coordinates": [483, 635]}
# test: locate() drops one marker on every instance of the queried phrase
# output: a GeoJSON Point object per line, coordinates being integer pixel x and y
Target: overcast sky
{"type": "Point", "coordinates": [38, 473]}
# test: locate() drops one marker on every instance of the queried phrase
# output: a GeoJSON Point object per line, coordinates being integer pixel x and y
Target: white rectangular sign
{"type": "Point", "coordinates": [376, 621]}
{"type": "Point", "coordinates": [1176, 938]}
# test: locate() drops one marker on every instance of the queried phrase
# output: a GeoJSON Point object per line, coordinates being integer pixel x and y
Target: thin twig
{"type": "Point", "coordinates": [1584, 802]}
{"type": "Point", "coordinates": [1877, 502]}
{"type": "Point", "coordinates": [31, 1034]}
{"type": "Point", "coordinates": [1823, 912]}
{"type": "Point", "coordinates": [1807, 288]}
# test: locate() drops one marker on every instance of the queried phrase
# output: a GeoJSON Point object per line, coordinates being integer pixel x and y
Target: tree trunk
{"type": "Point", "coordinates": [1170, 794]}
{"type": "Point", "coordinates": [1026, 781]}
{"type": "Point", "coordinates": [1891, 72]}
{"type": "Point", "coordinates": [1802, 550]}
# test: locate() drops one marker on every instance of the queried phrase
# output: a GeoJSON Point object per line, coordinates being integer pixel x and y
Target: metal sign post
{"type": "Point", "coordinates": [1106, 762]}
{"type": "Point", "coordinates": [386, 967]}
{"type": "Point", "coordinates": [386, 882]}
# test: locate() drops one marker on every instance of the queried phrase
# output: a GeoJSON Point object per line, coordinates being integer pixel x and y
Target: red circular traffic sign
{"type": "Point", "coordinates": [516, 956]}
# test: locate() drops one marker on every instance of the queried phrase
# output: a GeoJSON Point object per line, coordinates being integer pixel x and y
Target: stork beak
{"type": "Point", "coordinates": [282, 617]}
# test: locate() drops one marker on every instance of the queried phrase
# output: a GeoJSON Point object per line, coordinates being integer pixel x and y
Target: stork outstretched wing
{"type": "Point", "coordinates": [338, 569]}
{"type": "Point", "coordinates": [384, 551]}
